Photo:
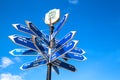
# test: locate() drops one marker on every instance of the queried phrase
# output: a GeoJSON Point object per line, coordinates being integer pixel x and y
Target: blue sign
{"type": "Point", "coordinates": [67, 48]}
{"type": "Point", "coordinates": [40, 48]}
{"type": "Point", "coordinates": [37, 32]}
{"type": "Point", "coordinates": [23, 52]}
{"type": "Point", "coordinates": [39, 57]}
{"type": "Point", "coordinates": [22, 42]}
{"type": "Point", "coordinates": [75, 56]}
{"type": "Point", "coordinates": [33, 64]}
{"type": "Point", "coordinates": [65, 39]}
{"type": "Point", "coordinates": [64, 65]}
{"type": "Point", "coordinates": [55, 68]}
{"type": "Point", "coordinates": [77, 50]}
{"type": "Point", "coordinates": [57, 29]}
{"type": "Point", "coordinates": [22, 28]}
{"type": "Point", "coordinates": [27, 38]}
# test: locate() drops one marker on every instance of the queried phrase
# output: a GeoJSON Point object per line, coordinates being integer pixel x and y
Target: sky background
{"type": "Point", "coordinates": [97, 23]}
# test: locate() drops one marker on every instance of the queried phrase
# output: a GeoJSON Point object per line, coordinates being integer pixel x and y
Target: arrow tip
{"type": "Point", "coordinates": [66, 14]}
{"type": "Point", "coordinates": [21, 67]}
{"type": "Point", "coordinates": [84, 58]}
{"type": "Point", "coordinates": [27, 22]}
{"type": "Point", "coordinates": [15, 26]}
{"type": "Point", "coordinates": [83, 51]}
{"type": "Point", "coordinates": [11, 52]}
{"type": "Point", "coordinates": [76, 41]}
{"type": "Point", "coordinates": [73, 32]}
{"type": "Point", "coordinates": [12, 37]}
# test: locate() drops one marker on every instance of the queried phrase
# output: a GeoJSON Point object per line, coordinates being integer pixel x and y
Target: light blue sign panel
{"type": "Point", "coordinates": [64, 65]}
{"type": "Point", "coordinates": [65, 39]}
{"type": "Point", "coordinates": [67, 48]}
{"type": "Point", "coordinates": [22, 42]}
{"type": "Point", "coordinates": [33, 64]}
{"type": "Point", "coordinates": [37, 32]}
{"type": "Point", "coordinates": [78, 50]}
{"type": "Point", "coordinates": [23, 52]}
{"type": "Point", "coordinates": [55, 68]}
{"type": "Point", "coordinates": [75, 56]}
{"type": "Point", "coordinates": [22, 28]}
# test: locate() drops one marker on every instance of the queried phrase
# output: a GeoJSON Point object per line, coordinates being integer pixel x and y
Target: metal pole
{"type": "Point", "coordinates": [49, 65]}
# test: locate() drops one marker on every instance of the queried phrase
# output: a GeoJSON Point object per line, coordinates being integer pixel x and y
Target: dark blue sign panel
{"type": "Point", "coordinates": [33, 64]}
{"type": "Point", "coordinates": [64, 65]}
{"type": "Point", "coordinates": [23, 52]}
{"type": "Point", "coordinates": [22, 28]}
{"type": "Point", "coordinates": [22, 41]}
{"type": "Point", "coordinates": [37, 32]}
{"type": "Point", "coordinates": [67, 48]}
{"type": "Point", "coordinates": [75, 56]}
{"type": "Point", "coordinates": [78, 50]}
{"type": "Point", "coordinates": [40, 48]}
{"type": "Point", "coordinates": [55, 68]}
{"type": "Point", "coordinates": [57, 29]}
{"type": "Point", "coordinates": [65, 39]}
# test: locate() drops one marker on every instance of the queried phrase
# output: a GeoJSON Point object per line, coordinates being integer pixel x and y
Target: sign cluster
{"type": "Point", "coordinates": [39, 42]}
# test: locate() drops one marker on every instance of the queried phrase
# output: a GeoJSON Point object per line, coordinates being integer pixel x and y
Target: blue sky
{"type": "Point", "coordinates": [97, 23]}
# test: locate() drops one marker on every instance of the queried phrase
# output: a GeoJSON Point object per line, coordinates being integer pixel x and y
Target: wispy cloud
{"type": "Point", "coordinates": [17, 59]}
{"type": "Point", "coordinates": [73, 1]}
{"type": "Point", "coordinates": [5, 62]}
{"type": "Point", "coordinates": [9, 76]}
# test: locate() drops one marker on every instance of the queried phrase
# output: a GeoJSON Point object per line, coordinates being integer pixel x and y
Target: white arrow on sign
{"type": "Point", "coordinates": [33, 64]}
{"type": "Point", "coordinates": [25, 29]}
{"type": "Point", "coordinates": [65, 40]}
{"type": "Point", "coordinates": [23, 52]}
{"type": "Point", "coordinates": [22, 42]}
{"type": "Point", "coordinates": [78, 50]}
{"type": "Point", "coordinates": [22, 28]}
{"type": "Point", "coordinates": [75, 56]}
{"type": "Point", "coordinates": [64, 65]}
{"type": "Point", "coordinates": [58, 28]}
{"type": "Point", "coordinates": [55, 68]}
{"type": "Point", "coordinates": [67, 48]}
{"type": "Point", "coordinates": [37, 32]}
{"type": "Point", "coordinates": [39, 46]}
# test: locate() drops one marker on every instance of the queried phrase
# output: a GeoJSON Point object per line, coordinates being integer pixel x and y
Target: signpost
{"type": "Point", "coordinates": [63, 50]}
{"type": "Point", "coordinates": [23, 52]}
{"type": "Point", "coordinates": [65, 39]}
{"type": "Point", "coordinates": [46, 47]}
{"type": "Point", "coordinates": [33, 64]}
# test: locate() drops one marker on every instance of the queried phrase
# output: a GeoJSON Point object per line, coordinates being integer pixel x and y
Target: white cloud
{"type": "Point", "coordinates": [73, 1]}
{"type": "Point", "coordinates": [6, 62]}
{"type": "Point", "coordinates": [8, 76]}
{"type": "Point", "coordinates": [17, 59]}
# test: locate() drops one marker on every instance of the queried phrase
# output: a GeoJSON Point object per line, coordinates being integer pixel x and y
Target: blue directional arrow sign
{"type": "Point", "coordinates": [27, 38]}
{"type": "Point", "coordinates": [23, 52]}
{"type": "Point", "coordinates": [25, 29]}
{"type": "Point", "coordinates": [39, 46]}
{"type": "Point", "coordinates": [64, 65]}
{"type": "Point", "coordinates": [78, 50]}
{"type": "Point", "coordinates": [23, 42]}
{"type": "Point", "coordinates": [75, 56]}
{"type": "Point", "coordinates": [33, 64]}
{"type": "Point", "coordinates": [67, 48]}
{"type": "Point", "coordinates": [65, 39]}
{"type": "Point", "coordinates": [55, 68]}
{"type": "Point", "coordinates": [37, 32]}
{"type": "Point", "coordinates": [57, 29]}
{"type": "Point", "coordinates": [22, 28]}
